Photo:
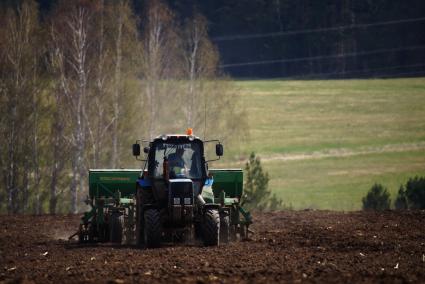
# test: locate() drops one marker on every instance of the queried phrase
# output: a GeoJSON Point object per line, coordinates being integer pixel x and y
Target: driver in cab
{"type": "Point", "coordinates": [176, 163]}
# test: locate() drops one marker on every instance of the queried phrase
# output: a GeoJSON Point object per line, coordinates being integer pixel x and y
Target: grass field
{"type": "Point", "coordinates": [324, 143]}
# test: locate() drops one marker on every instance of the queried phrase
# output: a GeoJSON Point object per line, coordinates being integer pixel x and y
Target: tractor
{"type": "Point", "coordinates": [175, 197]}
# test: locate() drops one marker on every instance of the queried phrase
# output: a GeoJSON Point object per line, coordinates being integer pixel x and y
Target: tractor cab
{"type": "Point", "coordinates": [175, 160]}
{"type": "Point", "coordinates": [173, 157]}
{"type": "Point", "coordinates": [176, 156]}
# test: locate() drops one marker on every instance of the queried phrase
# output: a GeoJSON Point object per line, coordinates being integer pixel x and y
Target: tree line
{"type": "Point", "coordinates": [311, 31]}
{"type": "Point", "coordinates": [308, 38]}
{"type": "Point", "coordinates": [80, 83]}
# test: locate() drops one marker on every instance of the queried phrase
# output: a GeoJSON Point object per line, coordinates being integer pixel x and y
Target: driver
{"type": "Point", "coordinates": [176, 162]}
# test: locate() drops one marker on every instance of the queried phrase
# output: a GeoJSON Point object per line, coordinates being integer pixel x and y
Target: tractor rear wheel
{"type": "Point", "coordinates": [116, 225]}
{"type": "Point", "coordinates": [144, 196]}
{"type": "Point", "coordinates": [140, 235]}
{"type": "Point", "coordinates": [152, 228]}
{"type": "Point", "coordinates": [211, 228]}
{"type": "Point", "coordinates": [225, 228]}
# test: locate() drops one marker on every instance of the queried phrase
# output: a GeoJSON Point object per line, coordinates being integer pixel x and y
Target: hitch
{"type": "Point", "coordinates": [73, 235]}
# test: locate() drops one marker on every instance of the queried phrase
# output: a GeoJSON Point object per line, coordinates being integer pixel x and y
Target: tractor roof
{"type": "Point", "coordinates": [176, 136]}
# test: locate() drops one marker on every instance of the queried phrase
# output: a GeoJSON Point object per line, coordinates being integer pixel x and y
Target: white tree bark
{"type": "Point", "coordinates": [71, 52]}
{"type": "Point", "coordinates": [117, 87]}
{"type": "Point", "coordinates": [197, 67]}
{"type": "Point", "coordinates": [157, 57]}
{"type": "Point", "coordinates": [194, 39]}
{"type": "Point", "coordinates": [19, 86]}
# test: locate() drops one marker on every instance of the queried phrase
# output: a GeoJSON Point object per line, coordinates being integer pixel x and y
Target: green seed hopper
{"type": "Point", "coordinates": [108, 183]}
{"type": "Point", "coordinates": [228, 188]}
{"type": "Point", "coordinates": [228, 180]}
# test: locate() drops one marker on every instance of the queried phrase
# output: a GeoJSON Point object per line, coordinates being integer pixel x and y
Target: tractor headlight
{"type": "Point", "coordinates": [176, 201]}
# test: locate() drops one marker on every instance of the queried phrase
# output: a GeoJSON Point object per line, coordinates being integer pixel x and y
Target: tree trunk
{"type": "Point", "coordinates": [150, 94]}
{"type": "Point", "coordinates": [117, 89]}
{"type": "Point", "coordinates": [35, 156]}
{"type": "Point", "coordinates": [55, 175]}
{"type": "Point", "coordinates": [192, 78]}
{"type": "Point", "coordinates": [57, 158]}
{"type": "Point", "coordinates": [73, 188]}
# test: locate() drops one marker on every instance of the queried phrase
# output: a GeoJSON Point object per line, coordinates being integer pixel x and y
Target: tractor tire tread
{"type": "Point", "coordinates": [152, 229]}
{"type": "Point", "coordinates": [211, 228]}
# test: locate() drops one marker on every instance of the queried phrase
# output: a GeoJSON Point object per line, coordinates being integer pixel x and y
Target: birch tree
{"type": "Point", "coordinates": [211, 101]}
{"type": "Point", "coordinates": [57, 142]}
{"type": "Point", "coordinates": [20, 89]}
{"type": "Point", "coordinates": [123, 35]}
{"type": "Point", "coordinates": [59, 151]}
{"type": "Point", "coordinates": [70, 34]}
{"type": "Point", "coordinates": [159, 43]}
{"type": "Point", "coordinates": [101, 77]}
{"type": "Point", "coordinates": [201, 61]}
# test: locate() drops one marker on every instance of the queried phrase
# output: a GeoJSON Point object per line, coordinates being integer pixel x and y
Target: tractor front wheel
{"type": "Point", "coordinates": [211, 228]}
{"type": "Point", "coordinates": [152, 228]}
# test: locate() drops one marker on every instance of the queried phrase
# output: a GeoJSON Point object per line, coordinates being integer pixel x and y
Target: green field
{"type": "Point", "coordinates": [324, 143]}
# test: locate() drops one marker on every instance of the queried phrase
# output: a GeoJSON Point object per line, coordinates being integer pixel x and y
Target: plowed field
{"type": "Point", "coordinates": [288, 246]}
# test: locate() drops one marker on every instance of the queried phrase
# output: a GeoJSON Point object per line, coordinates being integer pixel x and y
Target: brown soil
{"type": "Point", "coordinates": [290, 246]}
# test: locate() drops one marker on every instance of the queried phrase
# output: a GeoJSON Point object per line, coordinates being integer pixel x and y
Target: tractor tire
{"type": "Point", "coordinates": [198, 230]}
{"type": "Point", "coordinates": [225, 228]}
{"type": "Point", "coordinates": [152, 228]}
{"type": "Point", "coordinates": [144, 196]}
{"type": "Point", "coordinates": [140, 221]}
{"type": "Point", "coordinates": [211, 228]}
{"type": "Point", "coordinates": [116, 224]}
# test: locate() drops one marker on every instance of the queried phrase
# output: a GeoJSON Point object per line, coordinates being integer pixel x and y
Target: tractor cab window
{"type": "Point", "coordinates": [184, 160]}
